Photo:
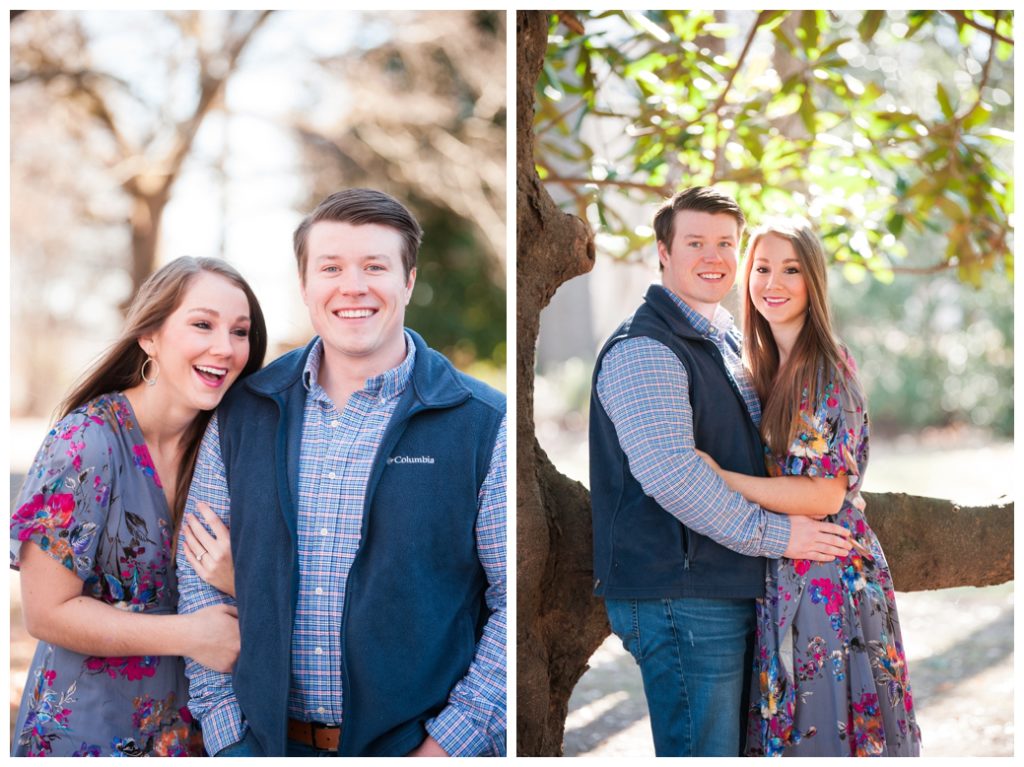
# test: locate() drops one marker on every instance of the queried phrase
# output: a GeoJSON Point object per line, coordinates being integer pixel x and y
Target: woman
{"type": "Point", "coordinates": [94, 526]}
{"type": "Point", "coordinates": [830, 671]}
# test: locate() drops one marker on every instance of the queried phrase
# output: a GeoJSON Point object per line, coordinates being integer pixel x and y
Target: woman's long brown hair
{"type": "Point", "coordinates": [120, 366]}
{"type": "Point", "coordinates": [816, 358]}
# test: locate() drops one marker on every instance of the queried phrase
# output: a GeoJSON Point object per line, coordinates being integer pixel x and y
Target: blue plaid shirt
{"type": "Point", "coordinates": [644, 389]}
{"type": "Point", "coordinates": [334, 468]}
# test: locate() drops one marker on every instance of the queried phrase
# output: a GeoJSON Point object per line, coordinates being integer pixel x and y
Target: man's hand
{"type": "Point", "coordinates": [818, 541]}
{"type": "Point", "coordinates": [428, 747]}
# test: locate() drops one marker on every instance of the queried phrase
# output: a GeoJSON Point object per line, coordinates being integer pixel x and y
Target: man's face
{"type": "Point", "coordinates": [700, 266]}
{"type": "Point", "coordinates": [356, 292]}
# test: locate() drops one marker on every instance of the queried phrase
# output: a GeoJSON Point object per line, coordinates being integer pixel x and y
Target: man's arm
{"type": "Point", "coordinates": [473, 723]}
{"type": "Point", "coordinates": [212, 698]}
{"type": "Point", "coordinates": [645, 391]}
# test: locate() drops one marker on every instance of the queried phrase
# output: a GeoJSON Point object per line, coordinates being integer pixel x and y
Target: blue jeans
{"type": "Point", "coordinates": [301, 749]}
{"type": "Point", "coordinates": [695, 658]}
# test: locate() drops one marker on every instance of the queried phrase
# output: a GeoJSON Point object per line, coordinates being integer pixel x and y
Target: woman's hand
{"type": "Point", "coordinates": [210, 555]}
{"type": "Point", "coordinates": [215, 638]}
{"type": "Point", "coordinates": [709, 460]}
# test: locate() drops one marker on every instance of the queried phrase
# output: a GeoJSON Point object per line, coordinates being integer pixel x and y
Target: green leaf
{"type": "Point", "coordinates": [808, 114]}
{"type": "Point", "coordinates": [917, 19]}
{"type": "Point", "coordinates": [809, 31]}
{"type": "Point", "coordinates": [854, 273]}
{"type": "Point", "coordinates": [869, 24]}
{"type": "Point", "coordinates": [944, 103]}
{"type": "Point", "coordinates": [895, 224]}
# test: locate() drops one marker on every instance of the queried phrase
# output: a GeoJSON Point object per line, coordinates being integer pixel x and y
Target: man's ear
{"type": "Point", "coordinates": [663, 254]}
{"type": "Point", "coordinates": [410, 283]}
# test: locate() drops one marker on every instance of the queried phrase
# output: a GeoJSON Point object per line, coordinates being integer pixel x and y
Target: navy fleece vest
{"type": "Point", "coordinates": [640, 550]}
{"type": "Point", "coordinates": [414, 606]}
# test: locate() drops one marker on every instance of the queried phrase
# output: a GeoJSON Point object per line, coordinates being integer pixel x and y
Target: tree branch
{"type": "Point", "coordinates": [963, 18]}
{"type": "Point", "coordinates": [720, 101]}
{"type": "Point", "coordinates": [663, 190]}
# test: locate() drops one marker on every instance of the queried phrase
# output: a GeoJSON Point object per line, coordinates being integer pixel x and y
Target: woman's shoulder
{"type": "Point", "coordinates": [844, 384]}
{"type": "Point", "coordinates": [96, 421]}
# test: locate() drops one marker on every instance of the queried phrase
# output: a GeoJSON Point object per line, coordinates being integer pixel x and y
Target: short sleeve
{"type": "Point", "coordinates": [831, 440]}
{"type": "Point", "coordinates": [66, 496]}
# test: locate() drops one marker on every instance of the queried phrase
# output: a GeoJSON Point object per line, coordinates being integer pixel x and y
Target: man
{"type": "Point", "coordinates": [676, 553]}
{"type": "Point", "coordinates": [363, 479]}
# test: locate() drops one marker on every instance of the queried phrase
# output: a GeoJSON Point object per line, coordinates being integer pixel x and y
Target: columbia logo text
{"type": "Point", "coordinates": [410, 459]}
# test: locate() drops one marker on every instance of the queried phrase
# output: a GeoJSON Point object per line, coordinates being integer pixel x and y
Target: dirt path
{"type": "Point", "coordinates": [959, 649]}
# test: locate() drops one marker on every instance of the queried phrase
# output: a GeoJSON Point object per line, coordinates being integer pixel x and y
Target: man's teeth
{"type": "Point", "coordinates": [712, 276]}
{"type": "Point", "coordinates": [354, 314]}
{"type": "Point", "coordinates": [212, 371]}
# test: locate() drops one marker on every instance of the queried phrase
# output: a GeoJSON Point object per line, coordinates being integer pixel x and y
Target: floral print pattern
{"type": "Point", "coordinates": [830, 676]}
{"type": "Point", "coordinates": [93, 501]}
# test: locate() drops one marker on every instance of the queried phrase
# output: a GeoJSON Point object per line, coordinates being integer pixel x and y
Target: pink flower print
{"type": "Point", "coordinates": [60, 506]}
{"type": "Point", "coordinates": [824, 590]}
{"type": "Point", "coordinates": [145, 462]}
{"type": "Point", "coordinates": [50, 676]}
{"type": "Point", "coordinates": [801, 566]}
{"type": "Point", "coordinates": [29, 517]}
{"type": "Point", "coordinates": [137, 667]}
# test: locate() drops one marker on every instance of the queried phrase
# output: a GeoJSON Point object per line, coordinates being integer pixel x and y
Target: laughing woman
{"type": "Point", "coordinates": [830, 675]}
{"type": "Point", "coordinates": [92, 530]}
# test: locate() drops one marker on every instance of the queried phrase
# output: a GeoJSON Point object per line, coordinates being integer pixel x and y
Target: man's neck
{"type": "Point", "coordinates": [342, 376]}
{"type": "Point", "coordinates": [707, 311]}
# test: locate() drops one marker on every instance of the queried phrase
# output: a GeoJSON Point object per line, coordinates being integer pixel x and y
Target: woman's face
{"type": "Point", "coordinates": [777, 286]}
{"type": "Point", "coordinates": [203, 345]}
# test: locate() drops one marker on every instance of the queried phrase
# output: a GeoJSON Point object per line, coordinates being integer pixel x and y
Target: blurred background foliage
{"type": "Point", "coordinates": [891, 130]}
{"type": "Point", "coordinates": [140, 136]}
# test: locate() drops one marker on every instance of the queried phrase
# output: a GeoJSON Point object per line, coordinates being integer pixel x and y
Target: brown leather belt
{"type": "Point", "coordinates": [323, 737]}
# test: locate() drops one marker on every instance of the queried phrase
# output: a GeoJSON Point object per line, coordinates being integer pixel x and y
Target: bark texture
{"type": "Point", "coordinates": [559, 623]}
{"type": "Point", "coordinates": [929, 543]}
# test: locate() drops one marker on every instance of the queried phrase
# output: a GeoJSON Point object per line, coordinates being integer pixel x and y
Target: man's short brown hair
{"type": "Point", "coordinates": [358, 207]}
{"type": "Point", "coordinates": [704, 199]}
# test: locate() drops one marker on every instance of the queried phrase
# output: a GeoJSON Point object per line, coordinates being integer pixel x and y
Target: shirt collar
{"type": "Point", "coordinates": [721, 323]}
{"type": "Point", "coordinates": [388, 384]}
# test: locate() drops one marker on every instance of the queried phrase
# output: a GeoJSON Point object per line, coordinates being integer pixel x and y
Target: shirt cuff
{"type": "Point", "coordinates": [776, 535]}
{"type": "Point", "coordinates": [223, 726]}
{"type": "Point", "coordinates": [459, 735]}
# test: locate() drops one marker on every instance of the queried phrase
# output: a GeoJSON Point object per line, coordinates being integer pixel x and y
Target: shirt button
{"type": "Point", "coordinates": [319, 591]}
{"type": "Point", "coordinates": [332, 475]}
{"type": "Point", "coordinates": [333, 424]}
{"type": "Point", "coordinates": [324, 531]}
{"type": "Point", "coordinates": [320, 709]}
{"type": "Point", "coordinates": [319, 651]}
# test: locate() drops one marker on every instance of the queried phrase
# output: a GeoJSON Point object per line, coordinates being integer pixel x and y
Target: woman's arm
{"type": "Point", "coordinates": [57, 612]}
{"type": "Point", "coordinates": [797, 496]}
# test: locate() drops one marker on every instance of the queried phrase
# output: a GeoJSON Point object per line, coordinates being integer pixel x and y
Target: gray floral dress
{"type": "Point", "coordinates": [830, 673]}
{"type": "Point", "coordinates": [93, 501]}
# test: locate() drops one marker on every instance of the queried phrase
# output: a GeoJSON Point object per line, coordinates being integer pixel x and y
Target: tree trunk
{"type": "Point", "coordinates": [559, 623]}
{"type": "Point", "coordinates": [930, 543]}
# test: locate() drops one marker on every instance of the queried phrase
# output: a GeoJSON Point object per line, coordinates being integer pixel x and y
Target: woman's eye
{"type": "Point", "coordinates": [202, 325]}
{"type": "Point", "coordinates": [242, 333]}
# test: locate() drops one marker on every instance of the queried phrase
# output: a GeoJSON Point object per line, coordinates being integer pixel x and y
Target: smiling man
{"type": "Point", "coordinates": [363, 480]}
{"type": "Point", "coordinates": [677, 555]}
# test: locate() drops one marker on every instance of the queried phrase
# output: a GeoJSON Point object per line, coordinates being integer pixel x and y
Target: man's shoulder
{"type": "Point", "coordinates": [483, 392]}
{"type": "Point", "coordinates": [443, 378]}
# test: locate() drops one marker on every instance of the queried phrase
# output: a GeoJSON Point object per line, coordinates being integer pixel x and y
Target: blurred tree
{"type": "Point", "coordinates": [438, 143]}
{"type": "Point", "coordinates": [145, 142]}
{"type": "Point", "coordinates": [802, 128]}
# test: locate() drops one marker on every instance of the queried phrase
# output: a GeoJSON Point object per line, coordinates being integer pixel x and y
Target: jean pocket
{"type": "Point", "coordinates": [625, 624]}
